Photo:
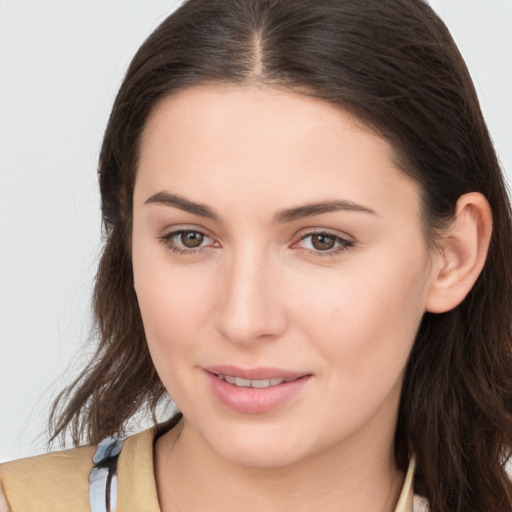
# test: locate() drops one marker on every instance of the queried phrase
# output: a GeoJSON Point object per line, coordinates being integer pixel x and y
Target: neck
{"type": "Point", "coordinates": [355, 475]}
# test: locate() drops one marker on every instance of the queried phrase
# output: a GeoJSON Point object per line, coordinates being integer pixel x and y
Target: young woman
{"type": "Point", "coordinates": [308, 249]}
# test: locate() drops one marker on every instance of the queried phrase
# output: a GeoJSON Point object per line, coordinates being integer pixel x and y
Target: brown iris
{"type": "Point", "coordinates": [322, 242]}
{"type": "Point", "coordinates": [191, 239]}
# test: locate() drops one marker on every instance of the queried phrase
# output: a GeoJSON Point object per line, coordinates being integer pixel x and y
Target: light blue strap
{"type": "Point", "coordinates": [103, 478]}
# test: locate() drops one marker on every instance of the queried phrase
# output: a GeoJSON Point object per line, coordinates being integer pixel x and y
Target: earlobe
{"type": "Point", "coordinates": [462, 253]}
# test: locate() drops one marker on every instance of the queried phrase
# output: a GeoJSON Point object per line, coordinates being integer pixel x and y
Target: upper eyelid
{"type": "Point", "coordinates": [175, 232]}
{"type": "Point", "coordinates": [171, 230]}
{"type": "Point", "coordinates": [324, 231]}
{"type": "Point", "coordinates": [306, 232]}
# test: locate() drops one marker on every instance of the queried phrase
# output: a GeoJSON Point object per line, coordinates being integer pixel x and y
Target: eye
{"type": "Point", "coordinates": [324, 243]}
{"type": "Point", "coordinates": [191, 239]}
{"type": "Point", "coordinates": [187, 241]}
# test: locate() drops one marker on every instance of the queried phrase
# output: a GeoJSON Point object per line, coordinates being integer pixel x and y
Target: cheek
{"type": "Point", "coordinates": [172, 308]}
{"type": "Point", "coordinates": [172, 301]}
{"type": "Point", "coordinates": [173, 324]}
{"type": "Point", "coordinates": [365, 320]}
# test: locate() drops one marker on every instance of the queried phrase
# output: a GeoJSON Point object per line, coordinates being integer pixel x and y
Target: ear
{"type": "Point", "coordinates": [462, 253]}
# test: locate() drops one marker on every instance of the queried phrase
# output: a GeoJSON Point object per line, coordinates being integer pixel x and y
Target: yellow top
{"type": "Point", "coordinates": [58, 482]}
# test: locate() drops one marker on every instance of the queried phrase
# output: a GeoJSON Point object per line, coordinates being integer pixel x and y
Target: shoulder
{"type": "Point", "coordinates": [59, 481]}
{"type": "Point", "coordinates": [54, 481]}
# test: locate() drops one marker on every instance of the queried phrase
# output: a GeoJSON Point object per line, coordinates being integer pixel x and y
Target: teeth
{"type": "Point", "coordinates": [248, 383]}
{"type": "Point", "coordinates": [244, 383]}
{"type": "Point", "coordinates": [265, 383]}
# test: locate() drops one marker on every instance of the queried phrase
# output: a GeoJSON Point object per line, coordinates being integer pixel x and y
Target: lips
{"type": "Point", "coordinates": [254, 391]}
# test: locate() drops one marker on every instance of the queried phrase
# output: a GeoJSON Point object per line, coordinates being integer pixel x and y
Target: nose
{"type": "Point", "coordinates": [251, 307]}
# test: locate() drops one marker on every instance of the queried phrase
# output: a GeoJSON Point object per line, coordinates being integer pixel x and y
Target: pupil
{"type": "Point", "coordinates": [322, 242]}
{"type": "Point", "coordinates": [192, 239]}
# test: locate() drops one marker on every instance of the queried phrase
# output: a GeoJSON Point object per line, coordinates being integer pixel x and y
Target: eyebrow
{"type": "Point", "coordinates": [186, 205]}
{"type": "Point", "coordinates": [310, 209]}
{"type": "Point", "coordinates": [281, 217]}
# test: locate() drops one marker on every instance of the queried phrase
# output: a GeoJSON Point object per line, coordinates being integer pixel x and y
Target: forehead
{"type": "Point", "coordinates": [233, 142]}
{"type": "Point", "coordinates": [235, 111]}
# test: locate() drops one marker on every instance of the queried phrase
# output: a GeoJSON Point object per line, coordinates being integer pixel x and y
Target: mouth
{"type": "Point", "coordinates": [252, 383]}
{"type": "Point", "coordinates": [256, 390]}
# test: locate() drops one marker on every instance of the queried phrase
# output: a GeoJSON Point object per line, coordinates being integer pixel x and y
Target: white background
{"type": "Point", "coordinates": [61, 63]}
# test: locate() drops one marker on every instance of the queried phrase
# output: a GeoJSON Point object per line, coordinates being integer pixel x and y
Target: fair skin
{"type": "Point", "coordinates": [328, 298]}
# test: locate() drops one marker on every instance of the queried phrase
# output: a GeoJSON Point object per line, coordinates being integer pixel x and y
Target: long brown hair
{"type": "Point", "coordinates": [394, 65]}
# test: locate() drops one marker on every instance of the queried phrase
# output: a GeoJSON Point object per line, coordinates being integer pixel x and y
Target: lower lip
{"type": "Point", "coordinates": [255, 400]}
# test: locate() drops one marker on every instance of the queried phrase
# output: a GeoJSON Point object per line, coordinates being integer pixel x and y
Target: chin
{"type": "Point", "coordinates": [259, 446]}
{"type": "Point", "coordinates": [267, 456]}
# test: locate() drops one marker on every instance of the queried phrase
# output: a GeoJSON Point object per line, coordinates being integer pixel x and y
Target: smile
{"type": "Point", "coordinates": [250, 383]}
{"type": "Point", "coordinates": [256, 390]}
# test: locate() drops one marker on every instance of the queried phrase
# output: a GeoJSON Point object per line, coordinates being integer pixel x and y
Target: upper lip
{"type": "Point", "coordinates": [258, 373]}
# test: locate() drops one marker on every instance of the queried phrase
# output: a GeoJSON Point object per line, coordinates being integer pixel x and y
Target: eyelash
{"type": "Point", "coordinates": [343, 243]}
{"type": "Point", "coordinates": [167, 240]}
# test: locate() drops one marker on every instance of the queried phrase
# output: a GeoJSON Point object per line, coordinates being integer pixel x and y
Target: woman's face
{"type": "Point", "coordinates": [281, 272]}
